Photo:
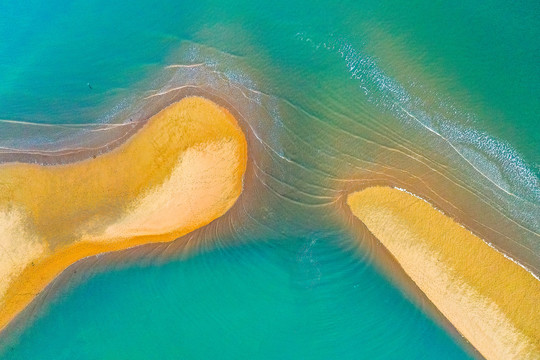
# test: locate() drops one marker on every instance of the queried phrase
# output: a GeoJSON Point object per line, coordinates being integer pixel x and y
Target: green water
{"type": "Point", "coordinates": [334, 96]}
{"type": "Point", "coordinates": [239, 303]}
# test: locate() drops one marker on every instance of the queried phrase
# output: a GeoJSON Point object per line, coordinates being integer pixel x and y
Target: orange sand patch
{"type": "Point", "coordinates": [181, 170]}
{"type": "Point", "coordinates": [493, 302]}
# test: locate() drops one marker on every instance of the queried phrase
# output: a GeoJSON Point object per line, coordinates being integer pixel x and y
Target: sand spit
{"type": "Point", "coordinates": [492, 301]}
{"type": "Point", "coordinates": [181, 170]}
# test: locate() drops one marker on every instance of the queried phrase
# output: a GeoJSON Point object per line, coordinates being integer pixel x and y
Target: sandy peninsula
{"type": "Point", "coordinates": [492, 301]}
{"type": "Point", "coordinates": [178, 172]}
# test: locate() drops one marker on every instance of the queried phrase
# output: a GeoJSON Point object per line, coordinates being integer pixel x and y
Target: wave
{"type": "Point", "coordinates": [512, 180]}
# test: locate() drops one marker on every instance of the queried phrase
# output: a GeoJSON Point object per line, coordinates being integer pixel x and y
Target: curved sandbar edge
{"type": "Point", "coordinates": [183, 169]}
{"type": "Point", "coordinates": [492, 301]}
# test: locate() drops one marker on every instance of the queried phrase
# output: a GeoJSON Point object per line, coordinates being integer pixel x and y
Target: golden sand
{"type": "Point", "coordinates": [181, 170]}
{"type": "Point", "coordinates": [493, 302]}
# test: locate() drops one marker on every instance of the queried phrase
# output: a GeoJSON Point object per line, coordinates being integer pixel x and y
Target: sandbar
{"type": "Point", "coordinates": [181, 170]}
{"type": "Point", "coordinates": [491, 300]}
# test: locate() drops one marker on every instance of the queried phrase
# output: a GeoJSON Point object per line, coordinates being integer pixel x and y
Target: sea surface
{"type": "Point", "coordinates": [440, 98]}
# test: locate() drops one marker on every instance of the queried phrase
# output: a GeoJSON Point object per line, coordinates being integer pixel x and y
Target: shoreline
{"type": "Point", "coordinates": [483, 240]}
{"type": "Point", "coordinates": [191, 144]}
{"type": "Point", "coordinates": [478, 290]}
{"type": "Point", "coordinates": [73, 153]}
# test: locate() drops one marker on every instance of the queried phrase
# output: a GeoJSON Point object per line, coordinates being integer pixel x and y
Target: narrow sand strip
{"type": "Point", "coordinates": [493, 302]}
{"type": "Point", "coordinates": [179, 172]}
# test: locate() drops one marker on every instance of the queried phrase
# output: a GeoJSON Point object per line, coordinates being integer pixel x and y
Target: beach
{"type": "Point", "coordinates": [182, 169]}
{"type": "Point", "coordinates": [490, 299]}
{"type": "Point", "coordinates": [437, 98]}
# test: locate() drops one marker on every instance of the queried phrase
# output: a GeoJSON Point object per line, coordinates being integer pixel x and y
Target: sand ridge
{"type": "Point", "coordinates": [181, 170]}
{"type": "Point", "coordinates": [490, 300]}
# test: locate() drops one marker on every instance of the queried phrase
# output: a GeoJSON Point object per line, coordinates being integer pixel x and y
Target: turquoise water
{"type": "Point", "coordinates": [440, 98]}
{"type": "Point", "coordinates": [239, 303]}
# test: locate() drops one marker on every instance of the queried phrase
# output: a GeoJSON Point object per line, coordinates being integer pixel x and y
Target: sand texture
{"type": "Point", "coordinates": [181, 170]}
{"type": "Point", "coordinates": [492, 301]}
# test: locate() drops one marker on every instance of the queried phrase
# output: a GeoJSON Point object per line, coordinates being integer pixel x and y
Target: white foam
{"type": "Point", "coordinates": [491, 159]}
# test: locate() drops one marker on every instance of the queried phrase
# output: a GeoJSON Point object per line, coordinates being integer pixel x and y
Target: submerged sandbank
{"type": "Point", "coordinates": [492, 301]}
{"type": "Point", "coordinates": [181, 170]}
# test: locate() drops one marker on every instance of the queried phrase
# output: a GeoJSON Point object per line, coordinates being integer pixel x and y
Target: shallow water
{"type": "Point", "coordinates": [238, 303]}
{"type": "Point", "coordinates": [441, 99]}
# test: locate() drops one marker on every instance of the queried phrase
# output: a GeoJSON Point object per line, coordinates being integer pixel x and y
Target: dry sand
{"type": "Point", "coordinates": [492, 301]}
{"type": "Point", "coordinates": [181, 170]}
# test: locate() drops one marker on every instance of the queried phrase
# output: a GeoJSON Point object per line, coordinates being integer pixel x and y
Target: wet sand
{"type": "Point", "coordinates": [489, 299]}
{"type": "Point", "coordinates": [178, 172]}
